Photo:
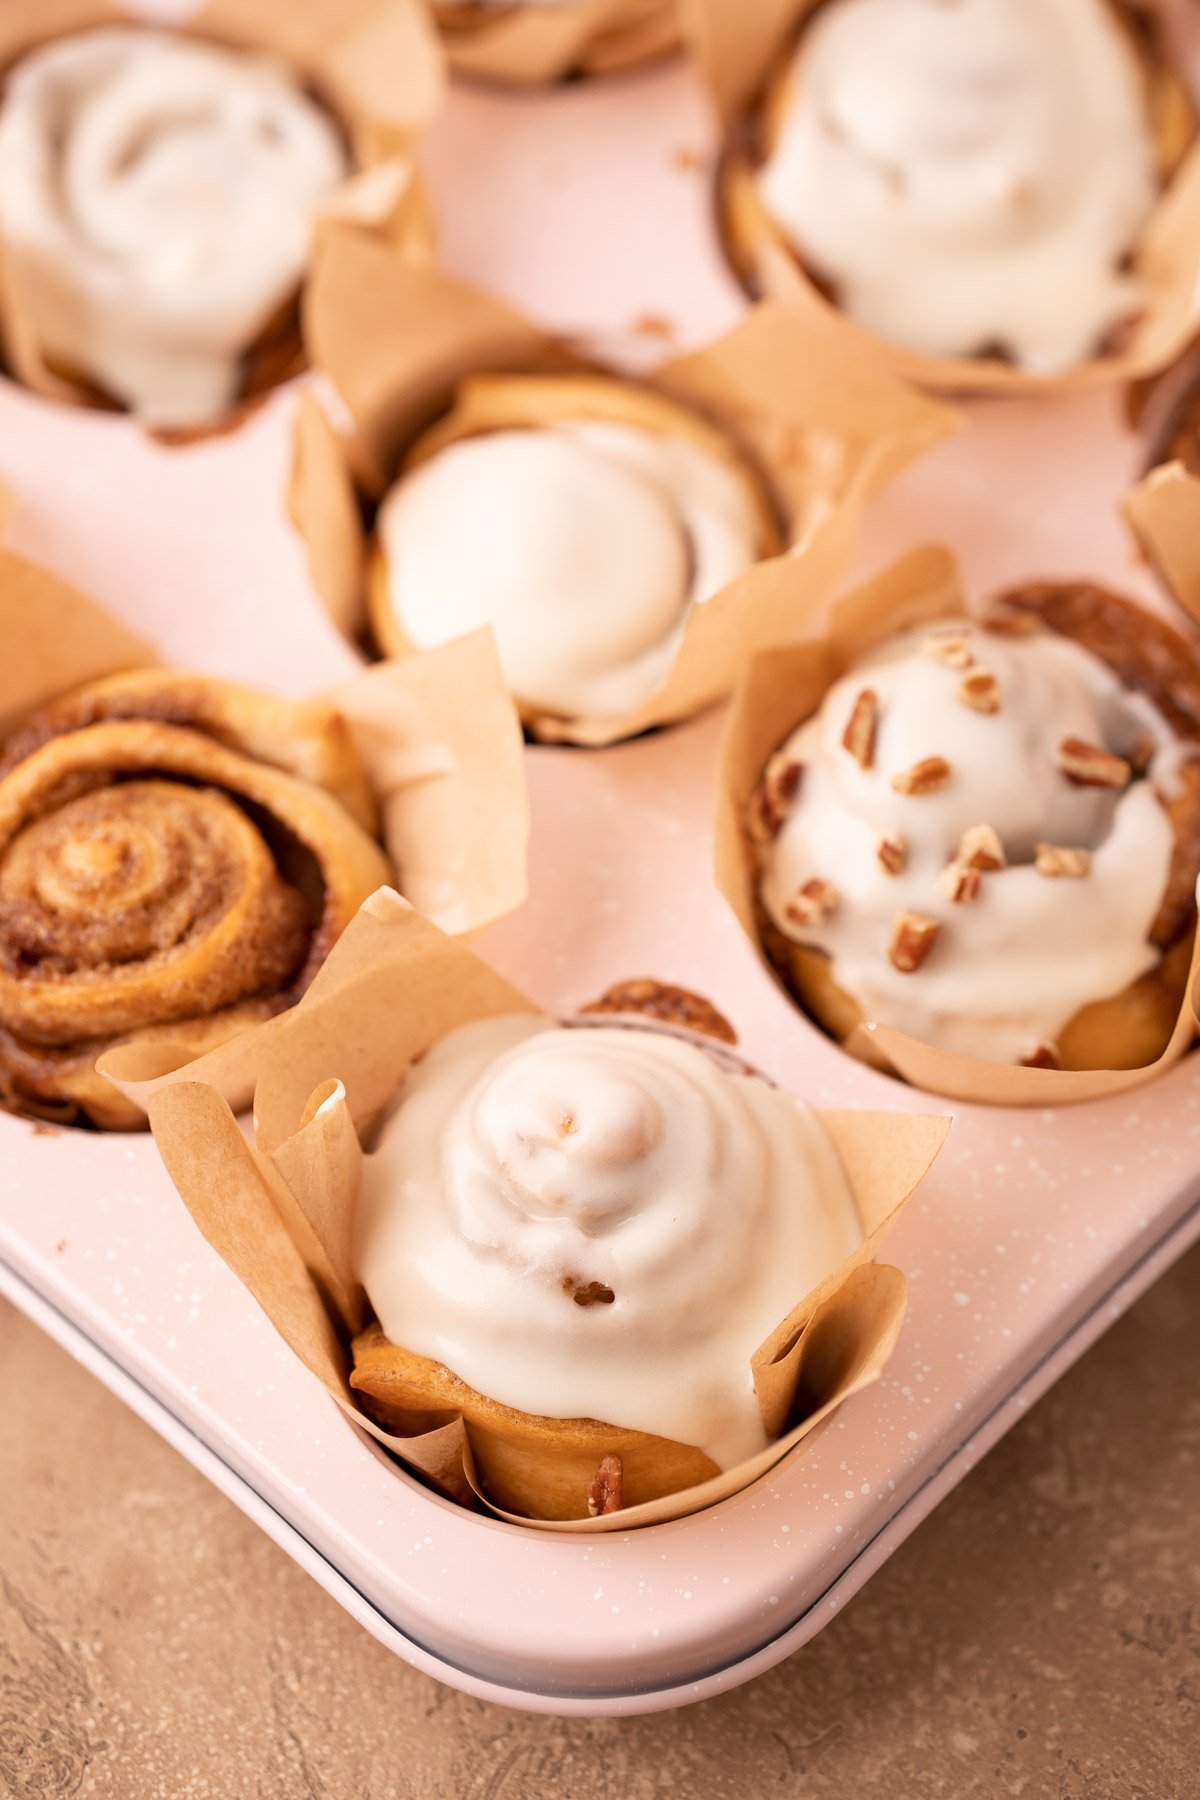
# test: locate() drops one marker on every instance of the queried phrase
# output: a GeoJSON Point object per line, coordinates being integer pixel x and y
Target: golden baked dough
{"type": "Point", "coordinates": [541, 1468]}
{"type": "Point", "coordinates": [177, 857]}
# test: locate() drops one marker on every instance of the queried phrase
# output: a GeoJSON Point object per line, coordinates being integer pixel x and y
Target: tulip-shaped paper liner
{"type": "Point", "coordinates": [741, 48]}
{"type": "Point", "coordinates": [528, 45]}
{"type": "Point", "coordinates": [1164, 511]}
{"type": "Point", "coordinates": [400, 342]}
{"type": "Point", "coordinates": [436, 735]}
{"type": "Point", "coordinates": [281, 1211]}
{"type": "Point", "coordinates": [782, 689]}
{"type": "Point", "coordinates": [377, 65]}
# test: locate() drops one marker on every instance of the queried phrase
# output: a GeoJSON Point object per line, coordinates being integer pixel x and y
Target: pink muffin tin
{"type": "Point", "coordinates": [1035, 1229]}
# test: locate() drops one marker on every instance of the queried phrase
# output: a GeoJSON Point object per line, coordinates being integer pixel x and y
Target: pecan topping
{"type": "Point", "coordinates": [1141, 755]}
{"type": "Point", "coordinates": [892, 852]}
{"type": "Point", "coordinates": [814, 903]}
{"type": "Point", "coordinates": [980, 848]}
{"type": "Point", "coordinates": [980, 691]}
{"type": "Point", "coordinates": [1058, 859]}
{"type": "Point", "coordinates": [960, 883]}
{"type": "Point", "coordinates": [604, 1493]}
{"type": "Point", "coordinates": [859, 735]}
{"type": "Point", "coordinates": [1012, 622]}
{"type": "Point", "coordinates": [588, 1293]}
{"type": "Point", "coordinates": [1089, 765]}
{"type": "Point", "coordinates": [913, 937]}
{"type": "Point", "coordinates": [952, 647]}
{"type": "Point", "coordinates": [1045, 1056]}
{"type": "Point", "coordinates": [925, 777]}
{"type": "Point", "coordinates": [773, 798]}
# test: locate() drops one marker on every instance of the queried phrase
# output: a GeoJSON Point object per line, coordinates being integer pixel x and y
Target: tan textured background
{"type": "Point", "coordinates": [1039, 1636]}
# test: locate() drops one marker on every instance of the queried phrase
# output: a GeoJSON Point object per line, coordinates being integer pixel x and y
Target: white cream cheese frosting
{"type": "Point", "coordinates": [1007, 955]}
{"type": "Point", "coordinates": [157, 196]}
{"type": "Point", "coordinates": [583, 544]}
{"type": "Point", "coordinates": [968, 174]}
{"type": "Point", "coordinates": [527, 1162]}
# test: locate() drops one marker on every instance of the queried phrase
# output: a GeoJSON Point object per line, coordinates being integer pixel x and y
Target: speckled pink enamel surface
{"type": "Point", "coordinates": [590, 207]}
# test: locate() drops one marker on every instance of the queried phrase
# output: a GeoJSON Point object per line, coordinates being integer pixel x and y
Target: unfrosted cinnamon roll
{"type": "Point", "coordinates": [520, 42]}
{"type": "Point", "coordinates": [989, 836]}
{"type": "Point", "coordinates": [965, 179]}
{"type": "Point", "coordinates": [581, 518]}
{"type": "Point", "coordinates": [577, 1238]}
{"type": "Point", "coordinates": [157, 197]}
{"type": "Point", "coordinates": [177, 856]}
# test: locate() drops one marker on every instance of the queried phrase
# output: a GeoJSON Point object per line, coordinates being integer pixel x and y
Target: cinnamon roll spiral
{"type": "Point", "coordinates": [157, 196]}
{"type": "Point", "coordinates": [177, 855]}
{"type": "Point", "coordinates": [579, 1235]}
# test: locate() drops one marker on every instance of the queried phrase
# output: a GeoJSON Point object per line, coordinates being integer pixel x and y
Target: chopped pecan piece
{"type": "Point", "coordinates": [587, 1293]}
{"type": "Point", "coordinates": [1012, 622]}
{"type": "Point", "coordinates": [980, 691]}
{"type": "Point", "coordinates": [1060, 859]}
{"type": "Point", "coordinates": [859, 735]}
{"type": "Point", "coordinates": [814, 903]}
{"type": "Point", "coordinates": [1141, 755]}
{"type": "Point", "coordinates": [960, 883]}
{"type": "Point", "coordinates": [980, 847]}
{"type": "Point", "coordinates": [1090, 765]}
{"type": "Point", "coordinates": [913, 937]}
{"type": "Point", "coordinates": [951, 647]}
{"type": "Point", "coordinates": [1045, 1056]}
{"type": "Point", "coordinates": [773, 797]}
{"type": "Point", "coordinates": [925, 777]}
{"type": "Point", "coordinates": [892, 852]}
{"type": "Point", "coordinates": [605, 1493]}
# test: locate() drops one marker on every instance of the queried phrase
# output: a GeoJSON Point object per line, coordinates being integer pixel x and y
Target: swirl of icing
{"type": "Point", "coordinates": [969, 175]}
{"type": "Point", "coordinates": [977, 836]}
{"type": "Point", "coordinates": [156, 204]}
{"type": "Point", "coordinates": [597, 1222]}
{"type": "Point", "coordinates": [582, 543]}
{"type": "Point", "coordinates": [153, 874]}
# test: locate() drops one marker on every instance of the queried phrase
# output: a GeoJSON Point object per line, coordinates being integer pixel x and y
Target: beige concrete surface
{"type": "Point", "coordinates": [1039, 1636]}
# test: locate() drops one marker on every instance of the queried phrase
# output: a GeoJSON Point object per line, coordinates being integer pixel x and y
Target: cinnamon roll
{"type": "Point", "coordinates": [967, 180]}
{"type": "Point", "coordinates": [577, 1238]}
{"type": "Point", "coordinates": [177, 857]}
{"type": "Point", "coordinates": [988, 835]}
{"type": "Point", "coordinates": [599, 515]}
{"type": "Point", "coordinates": [520, 42]}
{"type": "Point", "coordinates": [157, 198]}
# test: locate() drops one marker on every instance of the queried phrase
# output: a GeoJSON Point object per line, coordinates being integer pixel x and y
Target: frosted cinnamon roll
{"type": "Point", "coordinates": [989, 836]}
{"type": "Point", "coordinates": [577, 1238]}
{"type": "Point", "coordinates": [157, 197]}
{"type": "Point", "coordinates": [965, 179]}
{"type": "Point", "coordinates": [177, 856]}
{"type": "Point", "coordinates": [579, 517]}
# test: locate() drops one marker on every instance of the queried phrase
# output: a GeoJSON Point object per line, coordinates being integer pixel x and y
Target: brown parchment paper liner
{"type": "Point", "coordinates": [784, 687]}
{"type": "Point", "coordinates": [280, 1211]}
{"type": "Point", "coordinates": [437, 735]}
{"type": "Point", "coordinates": [376, 64]}
{"type": "Point", "coordinates": [1164, 511]}
{"type": "Point", "coordinates": [399, 341]}
{"type": "Point", "coordinates": [527, 46]}
{"type": "Point", "coordinates": [739, 47]}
